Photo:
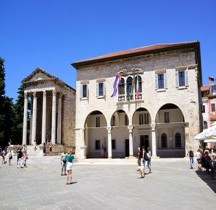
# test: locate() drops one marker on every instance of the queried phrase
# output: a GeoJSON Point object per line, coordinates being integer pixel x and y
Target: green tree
{"type": "Point", "coordinates": [18, 117]}
{"type": "Point", "coordinates": [2, 101]}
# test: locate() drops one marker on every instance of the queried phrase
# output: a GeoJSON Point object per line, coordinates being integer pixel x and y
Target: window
{"type": "Point", "coordinates": [182, 78]}
{"type": "Point", "coordinates": [126, 120]}
{"type": "Point", "coordinates": [113, 120]}
{"type": "Point", "coordinates": [100, 89]}
{"type": "Point", "coordinates": [160, 81]}
{"type": "Point", "coordinates": [97, 121]}
{"type": "Point", "coordinates": [178, 140]}
{"type": "Point", "coordinates": [113, 144]}
{"type": "Point", "coordinates": [138, 87]}
{"type": "Point", "coordinates": [166, 117]}
{"type": "Point", "coordinates": [144, 118]}
{"type": "Point", "coordinates": [121, 86]}
{"type": "Point", "coordinates": [203, 108]}
{"type": "Point", "coordinates": [163, 140]}
{"type": "Point", "coordinates": [84, 91]}
{"type": "Point", "coordinates": [129, 88]}
{"type": "Point", "coordinates": [205, 125]}
{"type": "Point", "coordinates": [213, 107]}
{"type": "Point", "coordinates": [97, 144]}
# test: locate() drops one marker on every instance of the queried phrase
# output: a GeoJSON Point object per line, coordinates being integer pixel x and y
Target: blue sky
{"type": "Point", "coordinates": [52, 34]}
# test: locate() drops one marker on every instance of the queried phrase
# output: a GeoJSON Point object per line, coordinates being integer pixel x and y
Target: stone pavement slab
{"type": "Point", "coordinates": [105, 184]}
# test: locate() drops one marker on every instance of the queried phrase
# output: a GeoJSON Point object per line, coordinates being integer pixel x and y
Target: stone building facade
{"type": "Point", "coordinates": [148, 96]}
{"type": "Point", "coordinates": [49, 110]}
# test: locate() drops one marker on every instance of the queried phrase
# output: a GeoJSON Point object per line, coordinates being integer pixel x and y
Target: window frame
{"type": "Point", "coordinates": [157, 74]}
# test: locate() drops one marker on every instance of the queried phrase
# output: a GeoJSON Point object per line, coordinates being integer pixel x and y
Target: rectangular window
{"type": "Point", "coordinates": [203, 108]}
{"type": "Point", "coordinates": [141, 119]}
{"type": "Point", "coordinates": [97, 121]}
{"type": "Point", "coordinates": [144, 118]}
{"type": "Point", "coordinates": [113, 144]}
{"type": "Point", "coordinates": [166, 117]}
{"type": "Point", "coordinates": [161, 81]}
{"type": "Point", "coordinates": [97, 145]}
{"type": "Point", "coordinates": [100, 89]}
{"type": "Point", "coordinates": [113, 121]}
{"type": "Point", "coordinates": [213, 107]}
{"type": "Point", "coordinates": [84, 91]}
{"type": "Point", "coordinates": [182, 78]}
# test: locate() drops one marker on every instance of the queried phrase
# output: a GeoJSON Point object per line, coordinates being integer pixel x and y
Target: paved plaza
{"type": "Point", "coordinates": [105, 184]}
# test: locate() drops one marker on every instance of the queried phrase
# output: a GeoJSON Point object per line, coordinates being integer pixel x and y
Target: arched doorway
{"type": "Point", "coordinates": [170, 131]}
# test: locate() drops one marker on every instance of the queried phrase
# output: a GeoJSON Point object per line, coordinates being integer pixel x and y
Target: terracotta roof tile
{"type": "Point", "coordinates": [135, 51]}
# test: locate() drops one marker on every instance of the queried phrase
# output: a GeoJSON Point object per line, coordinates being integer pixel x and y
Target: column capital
{"type": "Point", "coordinates": [54, 92]}
{"type": "Point", "coordinates": [35, 94]}
{"type": "Point", "coordinates": [130, 128]}
{"type": "Point", "coordinates": [153, 125]}
{"type": "Point", "coordinates": [109, 128]}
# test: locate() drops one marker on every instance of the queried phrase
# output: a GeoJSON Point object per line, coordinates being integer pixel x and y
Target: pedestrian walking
{"type": "Point", "coordinates": [10, 156]}
{"type": "Point", "coordinates": [148, 157]}
{"type": "Point", "coordinates": [191, 157]}
{"type": "Point", "coordinates": [69, 167]}
{"type": "Point", "coordinates": [35, 145]}
{"type": "Point", "coordinates": [140, 168]}
{"type": "Point", "coordinates": [63, 163]}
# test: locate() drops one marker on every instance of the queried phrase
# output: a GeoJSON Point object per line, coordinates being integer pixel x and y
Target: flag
{"type": "Point", "coordinates": [116, 83]}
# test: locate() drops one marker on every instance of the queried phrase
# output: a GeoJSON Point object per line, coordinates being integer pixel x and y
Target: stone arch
{"type": "Point", "coordinates": [170, 120]}
{"type": "Point", "coordinates": [95, 134]}
{"type": "Point", "coordinates": [142, 135]}
{"type": "Point", "coordinates": [120, 134]}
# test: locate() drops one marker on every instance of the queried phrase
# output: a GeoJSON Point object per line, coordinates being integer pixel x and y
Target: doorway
{"type": "Point", "coordinates": [126, 147]}
{"type": "Point", "coordinates": [144, 141]}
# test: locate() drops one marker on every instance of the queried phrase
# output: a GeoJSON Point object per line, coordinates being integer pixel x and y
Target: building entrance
{"type": "Point", "coordinates": [144, 141]}
{"type": "Point", "coordinates": [126, 147]}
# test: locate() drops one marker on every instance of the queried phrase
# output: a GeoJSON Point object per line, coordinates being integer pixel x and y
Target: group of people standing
{"type": "Point", "coordinates": [21, 153]}
{"type": "Point", "coordinates": [144, 160]}
{"type": "Point", "coordinates": [67, 166]}
{"type": "Point", "coordinates": [202, 157]}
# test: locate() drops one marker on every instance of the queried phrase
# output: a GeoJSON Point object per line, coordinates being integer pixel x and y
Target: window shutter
{"type": "Point", "coordinates": [97, 89]}
{"type": "Point", "coordinates": [165, 80]}
{"type": "Point", "coordinates": [177, 79]}
{"type": "Point", "coordinates": [87, 91]}
{"type": "Point", "coordinates": [156, 81]}
{"type": "Point", "coordinates": [104, 89]}
{"type": "Point", "coordinates": [186, 77]}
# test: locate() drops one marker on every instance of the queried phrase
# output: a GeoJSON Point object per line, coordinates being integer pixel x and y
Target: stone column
{"type": "Point", "coordinates": [34, 118]}
{"type": "Point", "coordinates": [130, 128]}
{"type": "Point", "coordinates": [154, 148]}
{"type": "Point", "coordinates": [25, 119]}
{"type": "Point", "coordinates": [80, 143]}
{"type": "Point", "coordinates": [59, 119]}
{"type": "Point", "coordinates": [31, 118]}
{"type": "Point", "coordinates": [43, 137]}
{"type": "Point", "coordinates": [53, 135]}
{"type": "Point", "coordinates": [109, 146]}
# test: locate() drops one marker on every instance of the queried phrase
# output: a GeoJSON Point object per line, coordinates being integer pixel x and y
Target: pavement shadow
{"type": "Point", "coordinates": [208, 179]}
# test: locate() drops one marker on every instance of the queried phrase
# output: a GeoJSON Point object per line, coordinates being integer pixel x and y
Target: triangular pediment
{"type": "Point", "coordinates": [38, 75]}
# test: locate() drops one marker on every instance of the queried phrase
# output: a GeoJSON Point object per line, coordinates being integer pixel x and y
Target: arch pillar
{"type": "Point", "coordinates": [130, 128]}
{"type": "Point", "coordinates": [109, 128]}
